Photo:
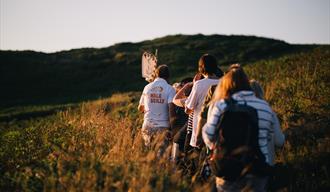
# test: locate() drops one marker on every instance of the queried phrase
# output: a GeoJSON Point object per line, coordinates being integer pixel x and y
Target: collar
{"type": "Point", "coordinates": [160, 79]}
{"type": "Point", "coordinates": [241, 94]}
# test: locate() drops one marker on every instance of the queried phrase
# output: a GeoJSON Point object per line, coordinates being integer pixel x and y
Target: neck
{"type": "Point", "coordinates": [163, 78]}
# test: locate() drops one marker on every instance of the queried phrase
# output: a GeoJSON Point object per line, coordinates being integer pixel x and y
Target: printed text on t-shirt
{"type": "Point", "coordinates": [156, 98]}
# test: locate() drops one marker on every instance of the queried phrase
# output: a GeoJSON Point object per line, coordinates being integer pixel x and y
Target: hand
{"type": "Point", "coordinates": [168, 135]}
{"type": "Point", "coordinates": [197, 77]}
{"type": "Point", "coordinates": [188, 85]}
{"type": "Point", "coordinates": [199, 142]}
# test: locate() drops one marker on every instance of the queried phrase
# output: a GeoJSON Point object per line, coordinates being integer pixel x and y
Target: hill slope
{"type": "Point", "coordinates": [28, 77]}
{"type": "Point", "coordinates": [97, 146]}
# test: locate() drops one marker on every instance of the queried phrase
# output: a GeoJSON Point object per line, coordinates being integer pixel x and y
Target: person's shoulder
{"type": "Point", "coordinates": [170, 88]}
{"type": "Point", "coordinates": [200, 82]}
{"type": "Point", "coordinates": [167, 87]}
{"type": "Point", "coordinates": [221, 104]}
{"type": "Point", "coordinates": [261, 103]}
{"type": "Point", "coordinates": [148, 85]}
{"type": "Point", "coordinates": [208, 82]}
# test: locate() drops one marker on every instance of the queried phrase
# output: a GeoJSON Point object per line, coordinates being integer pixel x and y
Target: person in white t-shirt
{"type": "Point", "coordinates": [156, 104]}
{"type": "Point", "coordinates": [207, 66]}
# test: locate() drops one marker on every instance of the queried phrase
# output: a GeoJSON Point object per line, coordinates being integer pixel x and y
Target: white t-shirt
{"type": "Point", "coordinates": [155, 97]}
{"type": "Point", "coordinates": [195, 102]}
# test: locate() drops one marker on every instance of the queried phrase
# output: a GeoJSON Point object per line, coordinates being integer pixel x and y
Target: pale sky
{"type": "Point", "coordinates": [55, 25]}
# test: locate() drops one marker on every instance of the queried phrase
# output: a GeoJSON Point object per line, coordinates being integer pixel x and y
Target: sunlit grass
{"type": "Point", "coordinates": [97, 145]}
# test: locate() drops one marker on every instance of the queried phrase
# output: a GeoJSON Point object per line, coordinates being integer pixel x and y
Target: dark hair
{"type": "Point", "coordinates": [219, 73]}
{"type": "Point", "coordinates": [186, 80]}
{"type": "Point", "coordinates": [207, 64]}
{"type": "Point", "coordinates": [162, 71]}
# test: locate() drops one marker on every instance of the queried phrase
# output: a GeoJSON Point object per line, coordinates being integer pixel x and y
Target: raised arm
{"type": "Point", "coordinates": [180, 98]}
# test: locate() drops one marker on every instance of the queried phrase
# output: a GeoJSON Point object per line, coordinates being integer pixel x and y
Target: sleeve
{"type": "Point", "coordinates": [209, 131]}
{"type": "Point", "coordinates": [141, 102]}
{"type": "Point", "coordinates": [278, 134]}
{"type": "Point", "coordinates": [171, 95]}
{"type": "Point", "coordinates": [191, 101]}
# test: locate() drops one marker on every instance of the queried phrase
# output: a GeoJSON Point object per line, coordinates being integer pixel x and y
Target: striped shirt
{"type": "Point", "coordinates": [190, 122]}
{"type": "Point", "coordinates": [270, 133]}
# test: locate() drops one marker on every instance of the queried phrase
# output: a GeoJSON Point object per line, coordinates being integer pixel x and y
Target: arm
{"type": "Point", "coordinates": [201, 122]}
{"type": "Point", "coordinates": [203, 115]}
{"type": "Point", "coordinates": [188, 111]}
{"type": "Point", "coordinates": [191, 101]}
{"type": "Point", "coordinates": [141, 108]}
{"type": "Point", "coordinates": [210, 130]}
{"type": "Point", "coordinates": [180, 97]}
{"type": "Point", "coordinates": [172, 115]}
{"type": "Point", "coordinates": [141, 102]}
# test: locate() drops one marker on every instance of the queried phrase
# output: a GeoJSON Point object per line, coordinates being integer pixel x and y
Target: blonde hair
{"type": "Point", "coordinates": [233, 81]}
{"type": "Point", "coordinates": [257, 89]}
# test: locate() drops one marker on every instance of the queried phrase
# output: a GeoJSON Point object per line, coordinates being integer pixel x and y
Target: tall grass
{"type": "Point", "coordinates": [298, 89]}
{"type": "Point", "coordinates": [90, 148]}
{"type": "Point", "coordinates": [97, 146]}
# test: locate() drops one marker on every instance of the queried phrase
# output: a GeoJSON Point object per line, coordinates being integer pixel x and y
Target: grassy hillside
{"type": "Point", "coordinates": [28, 77]}
{"type": "Point", "coordinates": [96, 146]}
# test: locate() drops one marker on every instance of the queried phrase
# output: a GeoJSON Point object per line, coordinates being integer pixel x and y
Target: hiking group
{"type": "Point", "coordinates": [220, 123]}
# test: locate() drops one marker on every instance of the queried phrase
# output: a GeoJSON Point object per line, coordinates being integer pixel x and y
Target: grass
{"type": "Point", "coordinates": [82, 149]}
{"type": "Point", "coordinates": [297, 88]}
{"type": "Point", "coordinates": [97, 146]}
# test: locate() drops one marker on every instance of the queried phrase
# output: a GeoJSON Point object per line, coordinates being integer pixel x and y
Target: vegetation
{"type": "Point", "coordinates": [29, 77]}
{"type": "Point", "coordinates": [298, 89]}
{"type": "Point", "coordinates": [96, 145]}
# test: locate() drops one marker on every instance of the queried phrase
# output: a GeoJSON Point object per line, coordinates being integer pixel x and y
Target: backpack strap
{"type": "Point", "coordinates": [230, 101]}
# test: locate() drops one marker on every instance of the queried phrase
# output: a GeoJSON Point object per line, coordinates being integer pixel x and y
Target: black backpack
{"type": "Point", "coordinates": [237, 151]}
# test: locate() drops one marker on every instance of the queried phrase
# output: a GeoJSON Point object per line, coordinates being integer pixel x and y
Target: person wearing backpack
{"type": "Point", "coordinates": [241, 131]}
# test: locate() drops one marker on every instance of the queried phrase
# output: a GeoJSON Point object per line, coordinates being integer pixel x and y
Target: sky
{"type": "Point", "coordinates": [55, 25]}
